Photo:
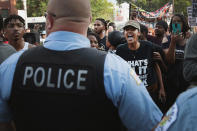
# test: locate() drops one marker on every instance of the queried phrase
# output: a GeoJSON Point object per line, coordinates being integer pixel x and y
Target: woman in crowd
{"type": "Point", "coordinates": [174, 81]}
{"type": "Point", "coordinates": [95, 41]}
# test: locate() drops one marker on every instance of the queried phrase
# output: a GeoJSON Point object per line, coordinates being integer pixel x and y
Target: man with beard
{"type": "Point", "coordinates": [142, 57]}
{"type": "Point", "coordinates": [160, 34]}
{"type": "Point", "coordinates": [5, 49]}
{"type": "Point", "coordinates": [100, 27]}
{"type": "Point", "coordinates": [14, 29]}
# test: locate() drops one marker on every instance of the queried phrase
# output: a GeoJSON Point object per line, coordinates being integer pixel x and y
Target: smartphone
{"type": "Point", "coordinates": [176, 28]}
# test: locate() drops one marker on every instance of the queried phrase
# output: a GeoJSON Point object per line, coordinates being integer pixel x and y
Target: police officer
{"type": "Point", "coordinates": [182, 115]}
{"type": "Point", "coordinates": [66, 85]}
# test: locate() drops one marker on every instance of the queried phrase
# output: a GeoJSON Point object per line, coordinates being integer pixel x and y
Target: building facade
{"type": "Point", "coordinates": [8, 7]}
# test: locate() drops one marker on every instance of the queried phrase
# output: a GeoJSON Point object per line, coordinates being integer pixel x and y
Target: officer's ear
{"type": "Point", "coordinates": [90, 18]}
{"type": "Point", "coordinates": [49, 22]}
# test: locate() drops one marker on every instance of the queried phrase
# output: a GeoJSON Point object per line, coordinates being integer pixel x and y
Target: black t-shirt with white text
{"type": "Point", "coordinates": [174, 81]}
{"type": "Point", "coordinates": [141, 60]}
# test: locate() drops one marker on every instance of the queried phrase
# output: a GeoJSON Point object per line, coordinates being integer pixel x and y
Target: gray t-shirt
{"type": "Point", "coordinates": [5, 51]}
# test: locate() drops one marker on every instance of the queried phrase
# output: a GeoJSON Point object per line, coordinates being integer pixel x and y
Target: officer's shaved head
{"type": "Point", "coordinates": [70, 8]}
{"type": "Point", "coordinates": [64, 13]}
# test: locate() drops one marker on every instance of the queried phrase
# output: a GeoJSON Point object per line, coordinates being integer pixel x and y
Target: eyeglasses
{"type": "Point", "coordinates": [49, 13]}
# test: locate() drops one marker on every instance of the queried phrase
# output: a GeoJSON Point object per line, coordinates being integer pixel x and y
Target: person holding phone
{"type": "Point", "coordinates": [182, 115]}
{"type": "Point", "coordinates": [174, 81]}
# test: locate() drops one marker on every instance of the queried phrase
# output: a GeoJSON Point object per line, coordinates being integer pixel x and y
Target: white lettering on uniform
{"type": "Point", "coordinates": [79, 79]}
{"type": "Point", "coordinates": [65, 78]}
{"type": "Point", "coordinates": [39, 69]}
{"type": "Point", "coordinates": [49, 84]}
{"type": "Point", "coordinates": [28, 74]}
{"type": "Point", "coordinates": [59, 78]}
{"type": "Point", "coordinates": [43, 77]}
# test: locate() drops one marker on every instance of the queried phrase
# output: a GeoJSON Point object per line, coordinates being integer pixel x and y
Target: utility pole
{"type": "Point", "coordinates": [25, 9]}
{"type": "Point", "coordinates": [173, 7]}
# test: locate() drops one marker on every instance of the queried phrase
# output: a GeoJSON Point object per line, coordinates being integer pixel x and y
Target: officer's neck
{"type": "Point", "coordinates": [17, 44]}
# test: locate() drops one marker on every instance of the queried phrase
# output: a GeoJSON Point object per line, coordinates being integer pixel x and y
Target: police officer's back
{"type": "Point", "coordinates": [66, 85]}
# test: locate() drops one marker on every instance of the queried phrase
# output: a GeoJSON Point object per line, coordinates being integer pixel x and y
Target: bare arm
{"type": "Point", "coordinates": [162, 94]}
{"type": "Point", "coordinates": [157, 57]}
{"type": "Point", "coordinates": [170, 52]}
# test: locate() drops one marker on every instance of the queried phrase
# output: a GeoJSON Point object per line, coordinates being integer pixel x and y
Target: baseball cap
{"type": "Point", "coordinates": [43, 32]}
{"type": "Point", "coordinates": [132, 23]}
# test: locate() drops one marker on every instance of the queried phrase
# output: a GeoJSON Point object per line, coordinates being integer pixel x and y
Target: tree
{"type": "Point", "coordinates": [35, 8]}
{"type": "Point", "coordinates": [148, 5]}
{"type": "Point", "coordinates": [181, 6]}
{"type": "Point", "coordinates": [102, 9]}
{"type": "Point", "coordinates": [153, 5]}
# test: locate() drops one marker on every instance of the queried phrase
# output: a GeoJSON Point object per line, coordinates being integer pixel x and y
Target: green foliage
{"type": "Point", "coordinates": [153, 5]}
{"type": "Point", "coordinates": [35, 8]}
{"type": "Point", "coordinates": [19, 5]}
{"type": "Point", "coordinates": [181, 6]}
{"type": "Point", "coordinates": [102, 9]}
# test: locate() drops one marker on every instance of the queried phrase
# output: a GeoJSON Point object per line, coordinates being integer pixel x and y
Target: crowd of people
{"type": "Point", "coordinates": [82, 78]}
{"type": "Point", "coordinates": [157, 59]}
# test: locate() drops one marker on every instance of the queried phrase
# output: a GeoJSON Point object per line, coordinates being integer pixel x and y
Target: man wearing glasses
{"type": "Point", "coordinates": [66, 85]}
